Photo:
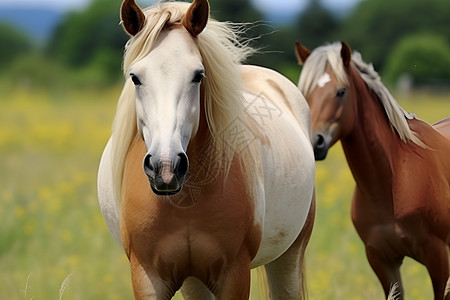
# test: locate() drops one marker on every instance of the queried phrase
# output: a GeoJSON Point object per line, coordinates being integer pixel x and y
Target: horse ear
{"type": "Point", "coordinates": [196, 17]}
{"type": "Point", "coordinates": [301, 52]}
{"type": "Point", "coordinates": [346, 54]}
{"type": "Point", "coordinates": [132, 16]}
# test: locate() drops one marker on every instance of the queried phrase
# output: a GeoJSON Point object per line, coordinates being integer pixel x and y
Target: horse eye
{"type": "Point", "coordinates": [198, 77]}
{"type": "Point", "coordinates": [341, 93]}
{"type": "Point", "coordinates": [135, 79]}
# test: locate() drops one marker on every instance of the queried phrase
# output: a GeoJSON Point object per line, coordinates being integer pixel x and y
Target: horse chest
{"type": "Point", "coordinates": [196, 240]}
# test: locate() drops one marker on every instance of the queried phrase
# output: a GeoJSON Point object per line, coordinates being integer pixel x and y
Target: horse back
{"type": "Point", "coordinates": [421, 177]}
{"type": "Point", "coordinates": [443, 127]}
{"type": "Point", "coordinates": [284, 95]}
{"type": "Point", "coordinates": [437, 140]}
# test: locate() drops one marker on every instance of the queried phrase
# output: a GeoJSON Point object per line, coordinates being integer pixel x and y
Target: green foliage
{"type": "Point", "coordinates": [86, 49]}
{"type": "Point", "coordinates": [234, 11]}
{"type": "Point", "coordinates": [375, 26]}
{"type": "Point", "coordinates": [13, 43]}
{"type": "Point", "coordinates": [275, 48]}
{"type": "Point", "coordinates": [242, 12]}
{"type": "Point", "coordinates": [36, 72]}
{"type": "Point", "coordinates": [424, 57]}
{"type": "Point", "coordinates": [86, 37]}
{"type": "Point", "coordinates": [316, 25]}
{"type": "Point", "coordinates": [33, 71]}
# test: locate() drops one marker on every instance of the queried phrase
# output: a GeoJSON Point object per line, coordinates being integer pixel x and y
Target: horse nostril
{"type": "Point", "coordinates": [320, 147]}
{"type": "Point", "coordinates": [183, 164]}
{"type": "Point", "coordinates": [148, 166]}
{"type": "Point", "coordinates": [320, 143]}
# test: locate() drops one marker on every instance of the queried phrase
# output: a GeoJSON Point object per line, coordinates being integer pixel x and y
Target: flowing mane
{"type": "Point", "coordinates": [222, 97]}
{"type": "Point", "coordinates": [330, 55]}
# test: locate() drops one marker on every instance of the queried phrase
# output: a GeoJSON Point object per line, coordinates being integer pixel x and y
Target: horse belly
{"type": "Point", "coordinates": [288, 190]}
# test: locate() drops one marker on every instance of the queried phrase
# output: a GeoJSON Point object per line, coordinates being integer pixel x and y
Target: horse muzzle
{"type": "Point", "coordinates": [166, 175]}
{"type": "Point", "coordinates": [321, 146]}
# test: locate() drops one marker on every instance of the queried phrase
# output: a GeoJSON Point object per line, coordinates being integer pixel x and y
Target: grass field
{"type": "Point", "coordinates": [55, 245]}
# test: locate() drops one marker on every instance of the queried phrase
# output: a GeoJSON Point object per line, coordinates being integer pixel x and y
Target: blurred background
{"type": "Point", "coordinates": [48, 43]}
{"type": "Point", "coordinates": [60, 78]}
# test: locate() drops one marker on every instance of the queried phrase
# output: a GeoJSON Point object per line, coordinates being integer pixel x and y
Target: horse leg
{"type": "Point", "coordinates": [144, 287]}
{"type": "Point", "coordinates": [286, 274]}
{"type": "Point", "coordinates": [436, 260]}
{"type": "Point", "coordinates": [235, 282]}
{"type": "Point", "coordinates": [387, 270]}
{"type": "Point", "coordinates": [447, 286]}
{"type": "Point", "coordinates": [193, 289]}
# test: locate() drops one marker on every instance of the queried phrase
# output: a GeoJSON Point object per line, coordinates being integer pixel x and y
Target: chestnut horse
{"type": "Point", "coordinates": [209, 171]}
{"type": "Point", "coordinates": [401, 165]}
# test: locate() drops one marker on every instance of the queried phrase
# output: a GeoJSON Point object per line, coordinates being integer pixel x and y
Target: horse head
{"type": "Point", "coordinates": [328, 92]}
{"type": "Point", "coordinates": [167, 84]}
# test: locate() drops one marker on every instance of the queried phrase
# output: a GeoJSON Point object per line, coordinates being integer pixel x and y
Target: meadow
{"type": "Point", "coordinates": [54, 243]}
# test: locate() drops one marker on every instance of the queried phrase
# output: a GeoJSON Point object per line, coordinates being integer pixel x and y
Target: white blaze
{"type": "Point", "coordinates": [324, 79]}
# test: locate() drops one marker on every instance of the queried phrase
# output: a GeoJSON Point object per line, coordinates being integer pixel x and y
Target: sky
{"type": "Point", "coordinates": [279, 6]}
{"type": "Point", "coordinates": [296, 6]}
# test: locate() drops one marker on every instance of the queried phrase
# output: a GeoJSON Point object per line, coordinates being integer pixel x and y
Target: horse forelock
{"type": "Point", "coordinates": [330, 55]}
{"type": "Point", "coordinates": [222, 53]}
{"type": "Point", "coordinates": [315, 65]}
{"type": "Point", "coordinates": [157, 17]}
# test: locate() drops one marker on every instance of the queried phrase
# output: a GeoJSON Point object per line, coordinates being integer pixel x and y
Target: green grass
{"type": "Point", "coordinates": [51, 224]}
{"type": "Point", "coordinates": [52, 229]}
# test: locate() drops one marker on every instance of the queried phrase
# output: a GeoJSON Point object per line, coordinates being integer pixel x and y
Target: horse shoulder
{"type": "Point", "coordinates": [105, 190]}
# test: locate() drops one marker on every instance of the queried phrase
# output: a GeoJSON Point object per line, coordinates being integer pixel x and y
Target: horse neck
{"type": "Point", "coordinates": [199, 145]}
{"type": "Point", "coordinates": [368, 147]}
{"type": "Point", "coordinates": [202, 153]}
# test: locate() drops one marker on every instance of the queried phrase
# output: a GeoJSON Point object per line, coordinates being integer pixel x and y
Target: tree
{"type": "Point", "coordinates": [234, 10]}
{"type": "Point", "coordinates": [14, 43]}
{"type": "Point", "coordinates": [91, 37]}
{"type": "Point", "coordinates": [375, 26]}
{"type": "Point", "coordinates": [423, 57]}
{"type": "Point", "coordinates": [316, 25]}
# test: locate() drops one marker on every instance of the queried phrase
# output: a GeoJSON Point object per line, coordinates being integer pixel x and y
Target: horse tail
{"type": "Point", "coordinates": [394, 292]}
{"type": "Point", "coordinates": [447, 289]}
{"type": "Point", "coordinates": [305, 235]}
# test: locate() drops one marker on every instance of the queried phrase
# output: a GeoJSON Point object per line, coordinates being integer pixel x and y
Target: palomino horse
{"type": "Point", "coordinates": [401, 165]}
{"type": "Point", "coordinates": [209, 171]}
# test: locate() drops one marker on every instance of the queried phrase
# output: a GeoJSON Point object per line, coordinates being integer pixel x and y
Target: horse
{"type": "Point", "coordinates": [401, 165]}
{"type": "Point", "coordinates": [209, 170]}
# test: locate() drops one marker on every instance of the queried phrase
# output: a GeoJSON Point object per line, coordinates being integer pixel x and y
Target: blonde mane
{"type": "Point", "coordinates": [330, 55]}
{"type": "Point", "coordinates": [222, 53]}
